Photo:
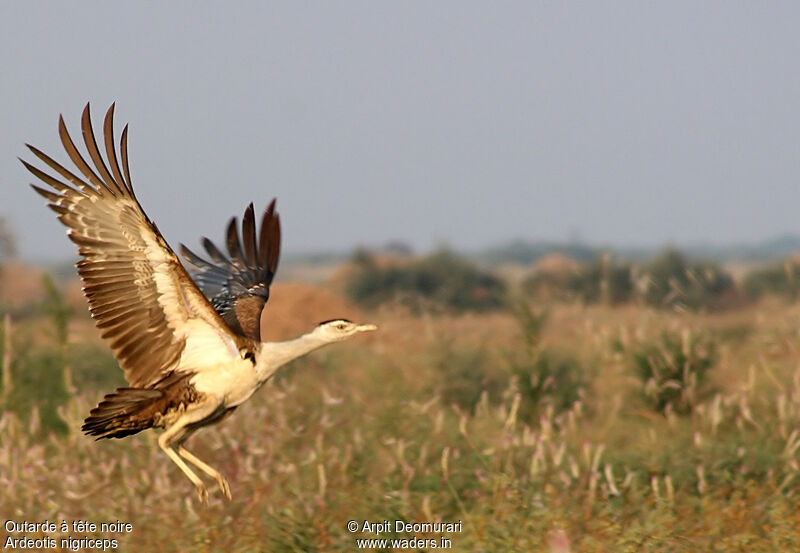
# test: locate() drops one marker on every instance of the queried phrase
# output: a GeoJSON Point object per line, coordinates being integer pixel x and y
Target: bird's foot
{"type": "Point", "coordinates": [202, 494]}
{"type": "Point", "coordinates": [224, 487]}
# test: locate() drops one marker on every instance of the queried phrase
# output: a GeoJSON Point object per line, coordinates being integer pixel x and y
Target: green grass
{"type": "Point", "coordinates": [367, 431]}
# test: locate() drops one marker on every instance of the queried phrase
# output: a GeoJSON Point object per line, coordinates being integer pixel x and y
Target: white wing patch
{"type": "Point", "coordinates": [205, 347]}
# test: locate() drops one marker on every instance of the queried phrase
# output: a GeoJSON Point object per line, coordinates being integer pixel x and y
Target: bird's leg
{"type": "Point", "coordinates": [223, 484]}
{"type": "Point", "coordinates": [202, 491]}
{"type": "Point", "coordinates": [176, 433]}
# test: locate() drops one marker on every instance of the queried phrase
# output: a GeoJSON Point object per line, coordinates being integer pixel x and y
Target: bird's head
{"type": "Point", "coordinates": [337, 330]}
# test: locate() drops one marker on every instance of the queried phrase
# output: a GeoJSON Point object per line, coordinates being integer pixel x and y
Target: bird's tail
{"type": "Point", "coordinates": [126, 411]}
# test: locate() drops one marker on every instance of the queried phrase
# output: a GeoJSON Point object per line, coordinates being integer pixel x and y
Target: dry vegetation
{"type": "Point", "coordinates": [537, 432]}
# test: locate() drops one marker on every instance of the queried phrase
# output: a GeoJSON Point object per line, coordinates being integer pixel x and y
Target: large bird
{"type": "Point", "coordinates": [189, 360]}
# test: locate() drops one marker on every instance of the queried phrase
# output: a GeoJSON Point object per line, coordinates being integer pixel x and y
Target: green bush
{"type": "Point", "coordinates": [38, 385]}
{"type": "Point", "coordinates": [464, 374]}
{"type": "Point", "coordinates": [782, 279]}
{"type": "Point", "coordinates": [441, 280]}
{"type": "Point", "coordinates": [673, 282]}
{"type": "Point", "coordinates": [547, 378]}
{"type": "Point", "coordinates": [674, 371]}
{"type": "Point", "coordinates": [543, 377]}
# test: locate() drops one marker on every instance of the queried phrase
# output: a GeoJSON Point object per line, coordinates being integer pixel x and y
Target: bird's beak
{"type": "Point", "coordinates": [366, 328]}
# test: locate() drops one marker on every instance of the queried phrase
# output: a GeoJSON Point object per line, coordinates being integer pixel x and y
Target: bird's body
{"type": "Point", "coordinates": [189, 359]}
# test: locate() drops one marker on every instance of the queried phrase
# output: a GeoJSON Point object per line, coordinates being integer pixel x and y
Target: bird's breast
{"type": "Point", "coordinates": [232, 382]}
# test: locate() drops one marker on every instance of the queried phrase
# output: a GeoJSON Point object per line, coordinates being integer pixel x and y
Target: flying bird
{"type": "Point", "coordinates": [191, 350]}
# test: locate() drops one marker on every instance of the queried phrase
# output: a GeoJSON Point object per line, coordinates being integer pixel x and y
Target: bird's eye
{"type": "Point", "coordinates": [341, 326]}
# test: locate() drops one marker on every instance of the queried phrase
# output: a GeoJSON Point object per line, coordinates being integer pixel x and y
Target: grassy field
{"type": "Point", "coordinates": [536, 430]}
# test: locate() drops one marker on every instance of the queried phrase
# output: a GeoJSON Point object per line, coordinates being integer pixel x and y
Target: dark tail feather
{"type": "Point", "coordinates": [126, 411]}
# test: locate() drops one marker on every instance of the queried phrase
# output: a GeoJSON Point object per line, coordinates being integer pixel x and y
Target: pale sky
{"type": "Point", "coordinates": [466, 123]}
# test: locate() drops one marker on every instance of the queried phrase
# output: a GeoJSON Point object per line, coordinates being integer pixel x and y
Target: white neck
{"type": "Point", "coordinates": [273, 355]}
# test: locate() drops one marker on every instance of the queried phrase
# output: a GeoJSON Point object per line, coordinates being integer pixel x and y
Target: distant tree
{"type": "Point", "coordinates": [673, 281]}
{"type": "Point", "coordinates": [442, 279]}
{"type": "Point", "coordinates": [781, 279]}
{"type": "Point", "coordinates": [603, 280]}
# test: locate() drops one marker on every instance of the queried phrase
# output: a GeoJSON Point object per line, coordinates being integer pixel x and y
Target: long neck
{"type": "Point", "coordinates": [273, 355]}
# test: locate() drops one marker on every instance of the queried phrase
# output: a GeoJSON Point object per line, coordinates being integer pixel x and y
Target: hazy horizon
{"type": "Point", "coordinates": [625, 125]}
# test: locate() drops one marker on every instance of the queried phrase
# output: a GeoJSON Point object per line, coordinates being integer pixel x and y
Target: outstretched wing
{"type": "Point", "coordinates": [239, 287]}
{"type": "Point", "coordinates": [139, 294]}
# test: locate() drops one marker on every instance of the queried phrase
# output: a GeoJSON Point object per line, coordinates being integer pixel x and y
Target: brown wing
{"type": "Point", "coordinates": [139, 293]}
{"type": "Point", "coordinates": [239, 287]}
